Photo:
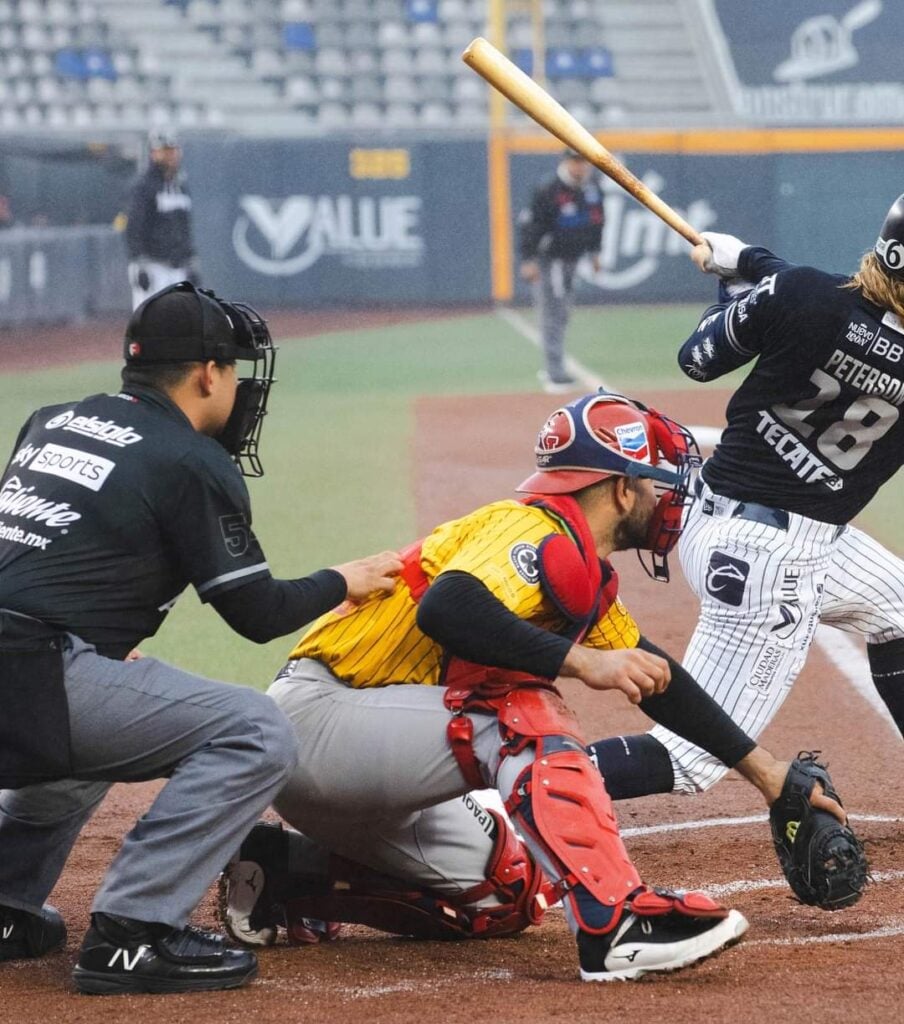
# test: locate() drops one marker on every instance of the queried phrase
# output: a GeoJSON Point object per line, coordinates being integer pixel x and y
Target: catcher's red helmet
{"type": "Point", "coordinates": [607, 434]}
{"type": "Point", "coordinates": [602, 435]}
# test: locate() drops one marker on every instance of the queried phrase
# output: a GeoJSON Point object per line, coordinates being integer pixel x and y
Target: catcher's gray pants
{"type": "Point", "coordinates": [377, 782]}
{"type": "Point", "coordinates": [552, 296]}
{"type": "Point", "coordinates": [226, 749]}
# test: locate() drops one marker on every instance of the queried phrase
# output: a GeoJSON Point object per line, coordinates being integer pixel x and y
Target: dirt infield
{"type": "Point", "coordinates": [796, 963]}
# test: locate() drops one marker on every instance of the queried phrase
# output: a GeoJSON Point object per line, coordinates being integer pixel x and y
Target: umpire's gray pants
{"type": "Point", "coordinates": [552, 297]}
{"type": "Point", "coordinates": [226, 749]}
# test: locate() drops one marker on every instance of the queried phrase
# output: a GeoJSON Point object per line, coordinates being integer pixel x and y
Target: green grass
{"type": "Point", "coordinates": [336, 446]}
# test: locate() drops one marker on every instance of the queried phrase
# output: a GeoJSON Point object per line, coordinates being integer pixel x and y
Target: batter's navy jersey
{"type": "Point", "coordinates": [109, 508]}
{"type": "Point", "coordinates": [815, 428]}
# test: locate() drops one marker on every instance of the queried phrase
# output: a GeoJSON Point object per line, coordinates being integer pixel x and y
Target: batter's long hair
{"type": "Point", "coordinates": [877, 286]}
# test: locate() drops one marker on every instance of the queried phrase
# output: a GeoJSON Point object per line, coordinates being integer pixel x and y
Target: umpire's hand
{"type": "Point", "coordinates": [369, 575]}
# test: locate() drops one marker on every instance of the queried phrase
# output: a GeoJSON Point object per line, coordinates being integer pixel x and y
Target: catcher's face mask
{"type": "Point", "coordinates": [606, 435]}
{"type": "Point", "coordinates": [187, 324]}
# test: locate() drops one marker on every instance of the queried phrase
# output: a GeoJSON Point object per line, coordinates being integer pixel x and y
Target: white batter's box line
{"type": "Point", "coordinates": [526, 329]}
{"type": "Point", "coordinates": [888, 931]}
{"type": "Point", "coordinates": [757, 885]}
{"type": "Point", "coordinates": [750, 819]}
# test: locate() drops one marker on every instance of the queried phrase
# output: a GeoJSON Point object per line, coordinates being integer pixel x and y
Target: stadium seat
{"type": "Point", "coordinates": [70, 64]}
{"type": "Point", "coordinates": [400, 89]}
{"type": "Point", "coordinates": [401, 115]}
{"type": "Point", "coordinates": [99, 64]}
{"type": "Point", "coordinates": [366, 115]}
{"type": "Point", "coordinates": [392, 33]}
{"type": "Point", "coordinates": [423, 11]}
{"type": "Point", "coordinates": [330, 62]}
{"type": "Point", "coordinates": [334, 88]}
{"type": "Point", "coordinates": [301, 89]}
{"type": "Point", "coordinates": [299, 35]}
{"type": "Point", "coordinates": [332, 115]}
{"type": "Point", "coordinates": [364, 88]}
{"type": "Point", "coordinates": [331, 34]}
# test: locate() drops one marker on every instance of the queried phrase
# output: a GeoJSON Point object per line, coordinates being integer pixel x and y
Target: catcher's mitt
{"type": "Point", "coordinates": [822, 859]}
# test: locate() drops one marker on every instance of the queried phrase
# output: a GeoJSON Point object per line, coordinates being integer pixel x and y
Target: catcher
{"type": "Point", "coordinates": [495, 606]}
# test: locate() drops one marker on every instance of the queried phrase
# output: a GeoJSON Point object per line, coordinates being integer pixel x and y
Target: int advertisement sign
{"type": "Point", "coordinates": [326, 222]}
{"type": "Point", "coordinates": [811, 61]}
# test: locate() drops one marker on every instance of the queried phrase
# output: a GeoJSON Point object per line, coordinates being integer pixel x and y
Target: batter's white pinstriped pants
{"type": "Point", "coordinates": [762, 592]}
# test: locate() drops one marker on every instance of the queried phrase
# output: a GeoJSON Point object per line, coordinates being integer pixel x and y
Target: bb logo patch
{"type": "Point", "coordinates": [524, 559]}
{"type": "Point", "coordinates": [726, 578]}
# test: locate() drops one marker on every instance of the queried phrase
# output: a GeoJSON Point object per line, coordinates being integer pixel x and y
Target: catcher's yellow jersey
{"type": "Point", "coordinates": [378, 642]}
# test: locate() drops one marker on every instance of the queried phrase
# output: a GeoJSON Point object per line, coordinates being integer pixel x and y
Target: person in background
{"type": "Point", "coordinates": [562, 223]}
{"type": "Point", "coordinates": [158, 227]}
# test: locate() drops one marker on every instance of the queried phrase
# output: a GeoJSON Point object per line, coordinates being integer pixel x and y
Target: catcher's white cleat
{"type": "Point", "coordinates": [642, 945]}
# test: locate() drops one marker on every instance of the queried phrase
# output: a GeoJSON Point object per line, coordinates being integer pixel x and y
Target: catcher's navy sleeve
{"type": "Point", "coordinates": [688, 710]}
{"type": "Point", "coordinates": [459, 612]}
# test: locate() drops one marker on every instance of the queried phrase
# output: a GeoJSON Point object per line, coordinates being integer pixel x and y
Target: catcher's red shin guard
{"type": "Point", "coordinates": [360, 895]}
{"type": "Point", "coordinates": [560, 800]}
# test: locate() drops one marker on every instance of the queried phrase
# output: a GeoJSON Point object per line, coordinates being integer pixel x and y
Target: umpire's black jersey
{"type": "Point", "coordinates": [109, 507]}
{"type": "Point", "coordinates": [815, 428]}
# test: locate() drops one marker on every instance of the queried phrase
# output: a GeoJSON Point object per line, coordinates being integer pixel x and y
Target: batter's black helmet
{"type": "Point", "coordinates": [889, 245]}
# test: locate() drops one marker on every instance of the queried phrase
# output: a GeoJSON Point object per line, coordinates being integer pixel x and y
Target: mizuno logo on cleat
{"type": "Point", "coordinates": [626, 956]}
{"type": "Point", "coordinates": [791, 830]}
{"type": "Point", "coordinates": [8, 930]}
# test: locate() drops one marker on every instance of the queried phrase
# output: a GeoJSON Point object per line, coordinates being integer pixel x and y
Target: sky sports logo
{"type": "Point", "coordinates": [80, 468]}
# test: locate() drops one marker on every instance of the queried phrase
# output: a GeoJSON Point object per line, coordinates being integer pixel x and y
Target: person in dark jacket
{"type": "Point", "coordinates": [563, 223]}
{"type": "Point", "coordinates": [158, 230]}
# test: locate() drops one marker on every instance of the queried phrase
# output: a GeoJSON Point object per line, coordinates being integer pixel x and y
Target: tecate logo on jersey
{"type": "Point", "coordinates": [18, 500]}
{"type": "Point", "coordinates": [635, 240]}
{"type": "Point", "coordinates": [99, 430]}
{"type": "Point", "coordinates": [81, 468]}
{"type": "Point", "coordinates": [281, 237]}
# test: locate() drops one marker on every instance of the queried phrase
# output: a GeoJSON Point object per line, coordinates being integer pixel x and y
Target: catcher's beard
{"type": "Point", "coordinates": [632, 530]}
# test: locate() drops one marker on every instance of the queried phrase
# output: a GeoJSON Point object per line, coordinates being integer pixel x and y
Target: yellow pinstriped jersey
{"type": "Point", "coordinates": [378, 642]}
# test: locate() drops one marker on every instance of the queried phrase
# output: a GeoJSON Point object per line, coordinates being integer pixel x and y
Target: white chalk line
{"type": "Point", "coordinates": [888, 931]}
{"type": "Point", "coordinates": [706, 437]}
{"type": "Point", "coordinates": [749, 819]}
{"type": "Point", "coordinates": [758, 884]}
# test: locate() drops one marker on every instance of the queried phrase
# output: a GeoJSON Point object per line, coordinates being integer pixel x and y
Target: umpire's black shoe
{"type": "Point", "coordinates": [121, 955]}
{"type": "Point", "coordinates": [24, 936]}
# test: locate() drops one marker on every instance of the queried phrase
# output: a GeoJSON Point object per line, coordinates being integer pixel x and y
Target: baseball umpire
{"type": "Point", "coordinates": [159, 238]}
{"type": "Point", "coordinates": [812, 433]}
{"type": "Point", "coordinates": [109, 508]}
{"type": "Point", "coordinates": [562, 223]}
{"type": "Point", "coordinates": [405, 703]}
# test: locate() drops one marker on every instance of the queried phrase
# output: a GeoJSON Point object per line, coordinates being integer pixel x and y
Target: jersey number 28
{"type": "Point", "coordinates": [846, 441]}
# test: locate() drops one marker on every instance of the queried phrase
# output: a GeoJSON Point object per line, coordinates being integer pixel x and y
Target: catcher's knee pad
{"type": "Point", "coordinates": [513, 896]}
{"type": "Point", "coordinates": [560, 800]}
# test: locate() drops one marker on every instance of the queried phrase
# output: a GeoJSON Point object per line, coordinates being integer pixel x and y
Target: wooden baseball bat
{"type": "Point", "coordinates": [536, 102]}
